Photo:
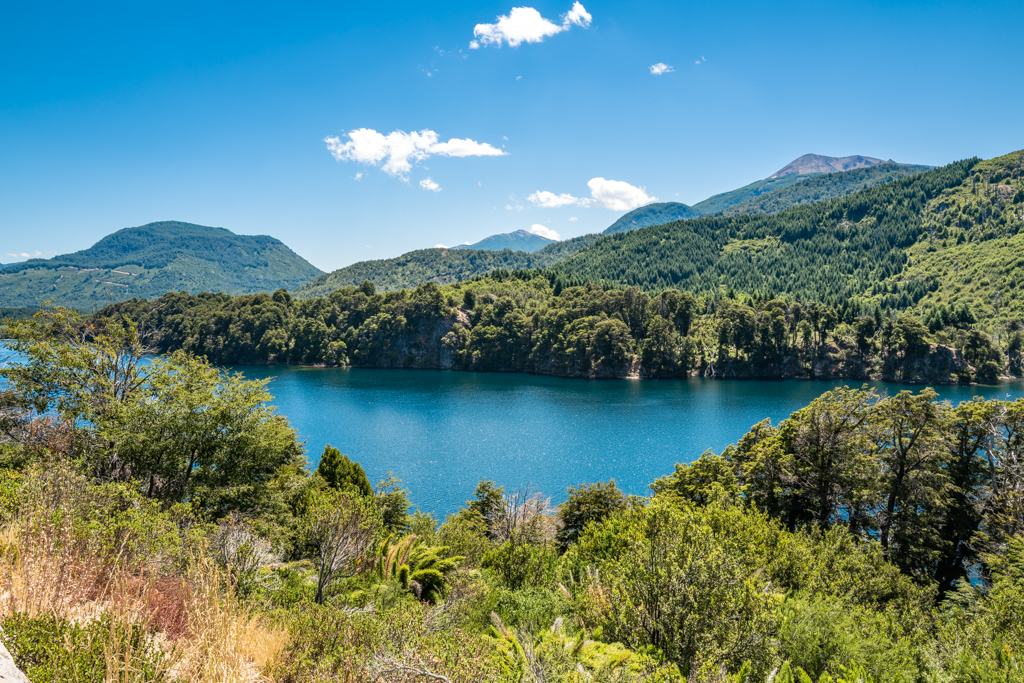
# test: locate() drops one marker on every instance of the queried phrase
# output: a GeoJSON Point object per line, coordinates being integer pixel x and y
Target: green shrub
{"type": "Point", "coordinates": [53, 650]}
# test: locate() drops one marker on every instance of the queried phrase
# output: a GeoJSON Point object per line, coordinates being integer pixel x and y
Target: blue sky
{"type": "Point", "coordinates": [119, 114]}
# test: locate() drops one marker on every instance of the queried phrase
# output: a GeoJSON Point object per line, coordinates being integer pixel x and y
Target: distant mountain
{"type": "Point", "coordinates": [151, 260]}
{"type": "Point", "coordinates": [819, 188]}
{"type": "Point", "coordinates": [443, 266]}
{"type": "Point", "coordinates": [746, 199]}
{"type": "Point", "coordinates": [651, 214]}
{"type": "Point", "coordinates": [816, 163]}
{"type": "Point", "coordinates": [764, 196]}
{"type": "Point", "coordinates": [854, 247]}
{"type": "Point", "coordinates": [520, 240]}
{"type": "Point", "coordinates": [720, 202]}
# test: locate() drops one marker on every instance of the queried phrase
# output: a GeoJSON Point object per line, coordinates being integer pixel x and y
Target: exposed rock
{"type": "Point", "coordinates": [941, 365]}
{"type": "Point", "coordinates": [9, 672]}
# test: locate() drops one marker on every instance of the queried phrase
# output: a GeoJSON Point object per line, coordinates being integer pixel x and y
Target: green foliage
{"type": "Point", "coordinates": [340, 527]}
{"type": "Point", "coordinates": [153, 259]}
{"type": "Point", "coordinates": [338, 471]}
{"type": "Point", "coordinates": [180, 428]}
{"type": "Point", "coordinates": [822, 636]}
{"type": "Point", "coordinates": [49, 649]}
{"type": "Point", "coordinates": [587, 504]}
{"type": "Point", "coordinates": [708, 478]}
{"type": "Point", "coordinates": [836, 249]}
{"type": "Point", "coordinates": [679, 584]}
{"type": "Point", "coordinates": [522, 565]}
{"type": "Point", "coordinates": [392, 502]}
{"type": "Point", "coordinates": [416, 567]}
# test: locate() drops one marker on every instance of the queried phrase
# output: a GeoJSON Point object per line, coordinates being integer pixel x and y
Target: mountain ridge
{"type": "Point", "coordinates": [819, 163]}
{"type": "Point", "coordinates": [518, 240]}
{"type": "Point", "coordinates": [149, 260]}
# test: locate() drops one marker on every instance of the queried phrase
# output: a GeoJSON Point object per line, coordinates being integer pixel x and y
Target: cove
{"type": "Point", "coordinates": [441, 432]}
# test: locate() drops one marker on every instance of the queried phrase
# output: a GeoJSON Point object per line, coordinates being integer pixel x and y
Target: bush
{"type": "Point", "coordinates": [49, 649]}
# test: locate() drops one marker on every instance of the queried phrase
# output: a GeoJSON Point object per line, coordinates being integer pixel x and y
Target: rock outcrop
{"type": "Point", "coordinates": [9, 672]}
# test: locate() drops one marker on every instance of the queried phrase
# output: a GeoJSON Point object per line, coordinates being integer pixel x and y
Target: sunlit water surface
{"type": "Point", "coordinates": [442, 432]}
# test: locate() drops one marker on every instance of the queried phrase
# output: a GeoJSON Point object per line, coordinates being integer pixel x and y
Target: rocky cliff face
{"type": "Point", "coordinates": [941, 365]}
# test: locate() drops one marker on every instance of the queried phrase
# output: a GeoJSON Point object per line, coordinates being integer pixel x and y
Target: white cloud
{"type": "Point", "coordinates": [616, 195]}
{"type": "Point", "coordinates": [661, 68]}
{"type": "Point", "coordinates": [538, 229]}
{"type": "Point", "coordinates": [550, 200]}
{"type": "Point", "coordinates": [440, 246]}
{"type": "Point", "coordinates": [399, 150]}
{"type": "Point", "coordinates": [573, 219]}
{"type": "Point", "coordinates": [428, 184]}
{"type": "Point", "coordinates": [526, 25]}
{"type": "Point", "coordinates": [359, 176]}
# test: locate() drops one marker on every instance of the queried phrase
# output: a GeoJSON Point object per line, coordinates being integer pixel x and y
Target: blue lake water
{"type": "Point", "coordinates": [441, 432]}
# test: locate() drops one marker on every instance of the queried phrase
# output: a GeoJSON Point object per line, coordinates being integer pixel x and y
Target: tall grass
{"type": "Point", "coordinates": [59, 560]}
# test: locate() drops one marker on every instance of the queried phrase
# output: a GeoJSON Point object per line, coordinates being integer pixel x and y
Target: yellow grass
{"type": "Point", "coordinates": [208, 635]}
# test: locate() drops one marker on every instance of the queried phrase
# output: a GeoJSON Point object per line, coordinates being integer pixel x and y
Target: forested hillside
{"type": "Point", "coordinates": [442, 266]}
{"type": "Point", "coordinates": [819, 188]}
{"type": "Point", "coordinates": [545, 322]}
{"type": "Point", "coordinates": [151, 260]}
{"type": "Point", "coordinates": [863, 539]}
{"type": "Point", "coordinates": [765, 196]}
{"type": "Point", "coordinates": [651, 214]}
{"type": "Point", "coordinates": [835, 250]}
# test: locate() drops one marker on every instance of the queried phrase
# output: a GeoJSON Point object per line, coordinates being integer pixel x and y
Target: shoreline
{"type": "Point", "coordinates": [1006, 379]}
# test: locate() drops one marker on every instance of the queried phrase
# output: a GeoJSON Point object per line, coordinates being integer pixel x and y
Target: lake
{"type": "Point", "coordinates": [442, 432]}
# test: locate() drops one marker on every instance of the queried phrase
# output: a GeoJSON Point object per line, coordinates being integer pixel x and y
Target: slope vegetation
{"type": "Point", "coordinates": [652, 214]}
{"type": "Point", "coordinates": [442, 266]}
{"type": "Point", "coordinates": [835, 249]}
{"type": "Point", "coordinates": [152, 259]}
{"type": "Point", "coordinates": [519, 240]}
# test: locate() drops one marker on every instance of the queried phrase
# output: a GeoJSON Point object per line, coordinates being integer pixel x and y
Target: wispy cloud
{"type": "Point", "coordinates": [397, 151]}
{"type": "Point", "coordinates": [526, 25]}
{"type": "Point", "coordinates": [428, 184]}
{"type": "Point", "coordinates": [543, 231]}
{"type": "Point", "coordinates": [616, 195]}
{"type": "Point", "coordinates": [661, 68]}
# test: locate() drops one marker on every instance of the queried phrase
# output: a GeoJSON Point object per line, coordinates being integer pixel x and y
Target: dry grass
{"type": "Point", "coordinates": [209, 637]}
{"type": "Point", "coordinates": [226, 642]}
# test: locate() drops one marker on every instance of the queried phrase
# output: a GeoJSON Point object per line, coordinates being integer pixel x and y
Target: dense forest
{"type": "Point", "coordinates": [542, 322]}
{"type": "Point", "coordinates": [159, 524]}
{"type": "Point", "coordinates": [836, 250]}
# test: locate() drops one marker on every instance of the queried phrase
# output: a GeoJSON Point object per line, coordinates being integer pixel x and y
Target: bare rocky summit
{"type": "Point", "coordinates": [816, 163]}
